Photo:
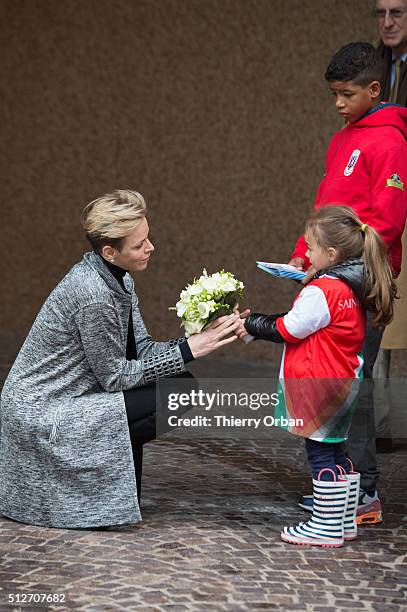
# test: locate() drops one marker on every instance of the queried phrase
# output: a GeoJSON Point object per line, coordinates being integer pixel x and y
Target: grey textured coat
{"type": "Point", "coordinates": [65, 451]}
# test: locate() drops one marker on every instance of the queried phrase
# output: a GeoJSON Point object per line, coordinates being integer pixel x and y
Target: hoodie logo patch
{"type": "Point", "coordinates": [352, 162]}
{"type": "Point", "coordinates": [395, 181]}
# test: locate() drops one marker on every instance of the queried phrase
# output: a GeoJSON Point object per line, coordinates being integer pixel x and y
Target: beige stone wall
{"type": "Point", "coordinates": [215, 110]}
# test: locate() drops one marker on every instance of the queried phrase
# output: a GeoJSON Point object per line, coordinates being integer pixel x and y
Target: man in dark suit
{"type": "Point", "coordinates": [391, 16]}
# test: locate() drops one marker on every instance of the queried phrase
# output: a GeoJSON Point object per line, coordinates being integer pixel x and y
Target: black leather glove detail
{"type": "Point", "coordinates": [264, 326]}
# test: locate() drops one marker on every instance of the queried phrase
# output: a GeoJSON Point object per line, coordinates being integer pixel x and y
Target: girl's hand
{"type": "Point", "coordinates": [218, 334]}
{"type": "Point", "coordinates": [243, 314]}
{"type": "Point", "coordinates": [241, 332]}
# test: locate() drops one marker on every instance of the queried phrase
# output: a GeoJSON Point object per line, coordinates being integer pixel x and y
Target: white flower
{"type": "Point", "coordinates": [204, 310]}
{"type": "Point", "coordinates": [209, 283]}
{"type": "Point", "coordinates": [181, 308]}
{"type": "Point", "coordinates": [191, 290]}
{"type": "Point", "coordinates": [200, 300]}
{"type": "Point", "coordinates": [194, 327]}
{"type": "Point", "coordinates": [227, 284]}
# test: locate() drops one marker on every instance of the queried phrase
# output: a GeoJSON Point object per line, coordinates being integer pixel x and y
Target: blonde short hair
{"type": "Point", "coordinates": [110, 218]}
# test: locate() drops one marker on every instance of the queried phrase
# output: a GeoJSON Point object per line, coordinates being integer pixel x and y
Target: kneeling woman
{"type": "Point", "coordinates": [79, 401]}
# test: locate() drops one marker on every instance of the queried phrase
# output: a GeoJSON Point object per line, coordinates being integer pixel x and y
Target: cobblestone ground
{"type": "Point", "coordinates": [210, 541]}
{"type": "Point", "coordinates": [212, 511]}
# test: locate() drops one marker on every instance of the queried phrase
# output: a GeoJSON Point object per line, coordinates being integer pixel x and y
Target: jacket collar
{"type": "Point", "coordinates": [351, 272]}
{"type": "Point", "coordinates": [94, 260]}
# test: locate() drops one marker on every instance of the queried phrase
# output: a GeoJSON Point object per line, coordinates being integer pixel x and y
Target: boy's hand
{"type": "Point", "coordinates": [310, 275]}
{"type": "Point", "coordinates": [297, 262]}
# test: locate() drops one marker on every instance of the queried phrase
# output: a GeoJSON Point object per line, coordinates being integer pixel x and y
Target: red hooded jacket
{"type": "Point", "coordinates": [366, 168]}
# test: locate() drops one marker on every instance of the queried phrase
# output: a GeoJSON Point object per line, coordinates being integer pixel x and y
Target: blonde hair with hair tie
{"type": "Point", "coordinates": [340, 227]}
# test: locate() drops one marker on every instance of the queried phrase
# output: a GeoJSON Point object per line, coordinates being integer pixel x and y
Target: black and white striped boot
{"type": "Point", "coordinates": [326, 526]}
{"type": "Point", "coordinates": [350, 528]}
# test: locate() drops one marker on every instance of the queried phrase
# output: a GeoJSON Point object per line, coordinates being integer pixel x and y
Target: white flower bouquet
{"type": "Point", "coordinates": [206, 299]}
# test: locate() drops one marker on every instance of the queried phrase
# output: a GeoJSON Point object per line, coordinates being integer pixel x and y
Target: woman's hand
{"type": "Point", "coordinates": [221, 332]}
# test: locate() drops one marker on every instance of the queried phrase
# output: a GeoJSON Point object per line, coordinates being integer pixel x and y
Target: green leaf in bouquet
{"type": "Point", "coordinates": [226, 306]}
{"type": "Point", "coordinates": [231, 299]}
{"type": "Point", "coordinates": [221, 312]}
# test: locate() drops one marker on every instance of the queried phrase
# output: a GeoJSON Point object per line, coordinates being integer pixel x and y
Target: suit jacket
{"type": "Point", "coordinates": [395, 335]}
{"type": "Point", "coordinates": [386, 54]}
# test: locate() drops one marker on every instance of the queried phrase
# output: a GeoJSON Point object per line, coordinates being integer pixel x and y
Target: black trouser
{"type": "Point", "coordinates": [361, 443]}
{"type": "Point", "coordinates": [141, 408]}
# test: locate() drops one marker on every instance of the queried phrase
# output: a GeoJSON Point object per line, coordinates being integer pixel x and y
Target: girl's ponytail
{"type": "Point", "coordinates": [380, 287]}
{"type": "Point", "coordinates": [339, 227]}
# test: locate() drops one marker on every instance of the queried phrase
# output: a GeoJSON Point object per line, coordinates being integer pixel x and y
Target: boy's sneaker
{"type": "Point", "coordinates": [306, 503]}
{"type": "Point", "coordinates": [369, 510]}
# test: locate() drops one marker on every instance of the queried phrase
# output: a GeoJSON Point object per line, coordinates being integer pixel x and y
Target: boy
{"type": "Point", "coordinates": [366, 168]}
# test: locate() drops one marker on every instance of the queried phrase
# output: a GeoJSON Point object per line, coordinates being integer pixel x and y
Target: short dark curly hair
{"type": "Point", "coordinates": [359, 62]}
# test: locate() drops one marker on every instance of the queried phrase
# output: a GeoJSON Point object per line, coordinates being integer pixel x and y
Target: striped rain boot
{"type": "Point", "coordinates": [369, 509]}
{"type": "Point", "coordinates": [325, 528]}
{"type": "Point", "coordinates": [350, 528]}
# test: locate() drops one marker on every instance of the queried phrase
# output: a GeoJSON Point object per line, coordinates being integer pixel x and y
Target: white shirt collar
{"type": "Point", "coordinates": [402, 57]}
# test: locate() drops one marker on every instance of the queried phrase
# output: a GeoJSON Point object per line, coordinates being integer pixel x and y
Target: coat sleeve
{"type": "Point", "coordinates": [301, 246]}
{"type": "Point", "coordinates": [389, 197]}
{"type": "Point", "coordinates": [263, 327]}
{"type": "Point", "coordinates": [309, 313]}
{"type": "Point", "coordinates": [145, 344]}
{"type": "Point", "coordinates": [105, 351]}
{"type": "Point", "coordinates": [299, 251]}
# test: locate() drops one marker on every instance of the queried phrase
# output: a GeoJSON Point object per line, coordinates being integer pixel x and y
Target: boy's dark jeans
{"type": "Point", "coordinates": [361, 443]}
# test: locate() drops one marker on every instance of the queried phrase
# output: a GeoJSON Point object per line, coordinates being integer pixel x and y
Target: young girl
{"type": "Point", "coordinates": [321, 366]}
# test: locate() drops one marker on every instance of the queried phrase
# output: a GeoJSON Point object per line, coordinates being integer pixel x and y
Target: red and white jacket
{"type": "Point", "coordinates": [320, 369]}
{"type": "Point", "coordinates": [324, 331]}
